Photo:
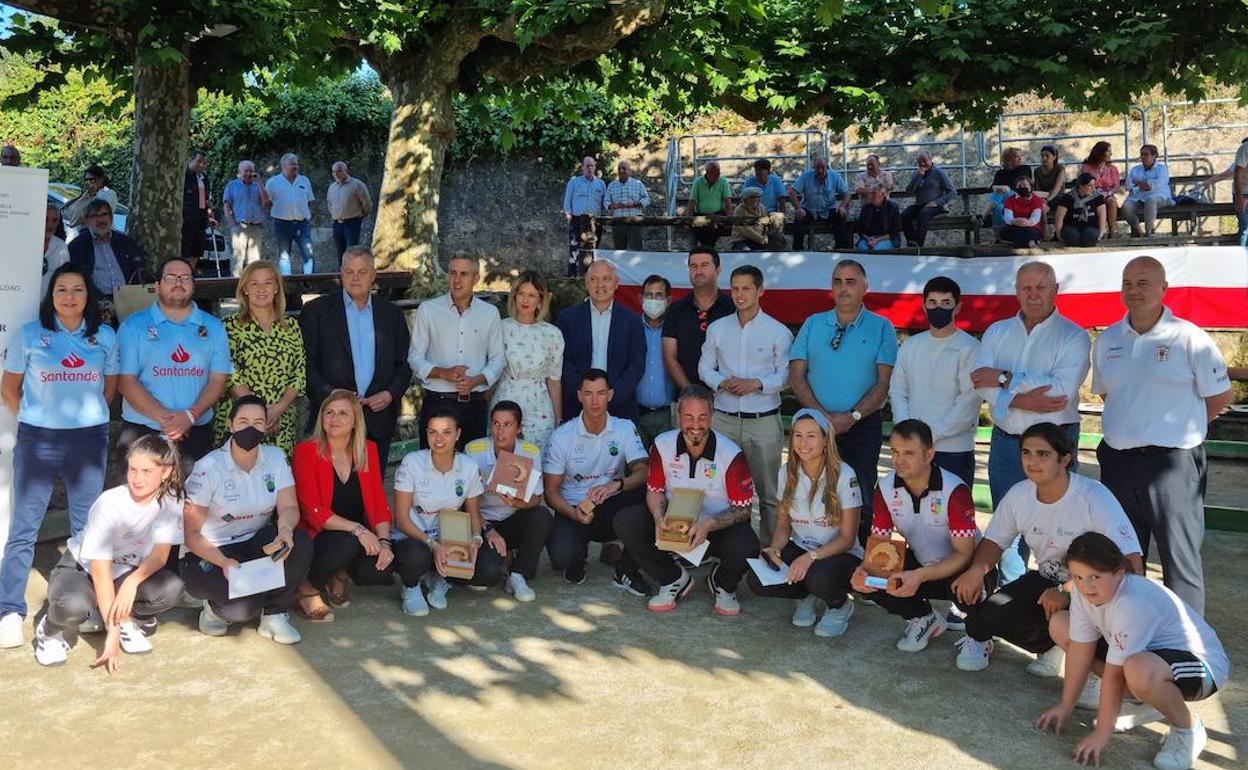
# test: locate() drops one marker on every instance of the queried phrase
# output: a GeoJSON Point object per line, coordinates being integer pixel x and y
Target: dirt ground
{"type": "Point", "coordinates": [583, 677]}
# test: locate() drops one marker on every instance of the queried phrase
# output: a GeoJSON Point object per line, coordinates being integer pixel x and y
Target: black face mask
{"type": "Point", "coordinates": [248, 438]}
{"type": "Point", "coordinates": [1024, 193]}
{"type": "Point", "coordinates": [939, 317]}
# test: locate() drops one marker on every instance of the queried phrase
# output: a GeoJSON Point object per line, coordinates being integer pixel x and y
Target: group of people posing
{"type": "Point", "coordinates": [618, 415]}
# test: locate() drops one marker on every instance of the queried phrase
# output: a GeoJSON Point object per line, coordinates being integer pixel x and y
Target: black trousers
{"type": "Point", "coordinates": [1019, 237]}
{"type": "Point", "coordinates": [472, 414]}
{"type": "Point", "coordinates": [1080, 235]}
{"type": "Point", "coordinates": [919, 605]}
{"type": "Point", "coordinates": [413, 560]}
{"type": "Point", "coordinates": [71, 595]}
{"type": "Point", "coordinates": [568, 546]}
{"type": "Point", "coordinates": [840, 229]}
{"type": "Point", "coordinates": [860, 449]}
{"type": "Point", "coordinates": [626, 237]}
{"type": "Point", "coordinates": [197, 442]}
{"type": "Point", "coordinates": [526, 532]}
{"type": "Point", "coordinates": [333, 551]}
{"type": "Point", "coordinates": [206, 581]}
{"type": "Point", "coordinates": [827, 578]}
{"type": "Point", "coordinates": [916, 219]}
{"type": "Point", "coordinates": [580, 241]}
{"type": "Point", "coordinates": [733, 545]}
{"type": "Point", "coordinates": [194, 237]}
{"type": "Point", "coordinates": [1012, 614]}
{"type": "Point", "coordinates": [707, 235]}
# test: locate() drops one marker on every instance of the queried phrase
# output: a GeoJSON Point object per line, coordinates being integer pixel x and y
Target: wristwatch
{"type": "Point", "coordinates": [814, 556]}
{"type": "Point", "coordinates": [1003, 378]}
{"type": "Point", "coordinates": [855, 415]}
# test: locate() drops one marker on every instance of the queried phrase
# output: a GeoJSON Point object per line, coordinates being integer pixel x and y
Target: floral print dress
{"type": "Point", "coordinates": [534, 352]}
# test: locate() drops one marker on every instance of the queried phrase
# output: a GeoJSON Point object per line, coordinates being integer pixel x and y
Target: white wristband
{"type": "Point", "coordinates": [190, 415]}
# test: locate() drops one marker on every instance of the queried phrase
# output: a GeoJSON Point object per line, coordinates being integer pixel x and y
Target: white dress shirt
{"type": "Point", "coordinates": [442, 336]}
{"type": "Point", "coordinates": [758, 350]}
{"type": "Point", "coordinates": [600, 335]}
{"type": "Point", "coordinates": [1155, 384]}
{"type": "Point", "coordinates": [1056, 353]}
{"type": "Point", "coordinates": [932, 383]}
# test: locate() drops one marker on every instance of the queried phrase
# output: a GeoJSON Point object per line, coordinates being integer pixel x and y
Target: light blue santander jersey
{"type": "Point", "coordinates": [62, 374]}
{"type": "Point", "coordinates": [172, 360]}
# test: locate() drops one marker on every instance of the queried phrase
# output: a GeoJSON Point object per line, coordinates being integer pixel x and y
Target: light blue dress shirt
{"type": "Point", "coordinates": [245, 200]}
{"type": "Point", "coordinates": [819, 198]}
{"type": "Point", "coordinates": [656, 389]}
{"type": "Point", "coordinates": [363, 342]}
{"type": "Point", "coordinates": [585, 196]}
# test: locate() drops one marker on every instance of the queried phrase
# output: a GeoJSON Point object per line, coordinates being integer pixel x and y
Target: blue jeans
{"type": "Point", "coordinates": [293, 236]}
{"type": "Point", "coordinates": [1243, 227]}
{"type": "Point", "coordinates": [78, 455]}
{"type": "Point", "coordinates": [887, 243]}
{"type": "Point", "coordinates": [346, 235]}
{"type": "Point", "coordinates": [1005, 469]}
{"type": "Point", "coordinates": [960, 464]}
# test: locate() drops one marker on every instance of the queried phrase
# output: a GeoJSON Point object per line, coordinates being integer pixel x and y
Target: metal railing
{"type": "Point", "coordinates": [815, 143]}
{"type": "Point", "coordinates": [990, 156]}
{"type": "Point", "coordinates": [960, 144]}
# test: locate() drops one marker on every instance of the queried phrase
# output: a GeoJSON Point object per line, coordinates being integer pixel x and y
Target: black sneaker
{"type": "Point", "coordinates": [631, 581]}
{"type": "Point", "coordinates": [575, 575]}
{"type": "Point", "coordinates": [146, 625]}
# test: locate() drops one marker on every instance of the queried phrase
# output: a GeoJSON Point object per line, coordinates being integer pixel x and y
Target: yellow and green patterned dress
{"type": "Point", "coordinates": [268, 364]}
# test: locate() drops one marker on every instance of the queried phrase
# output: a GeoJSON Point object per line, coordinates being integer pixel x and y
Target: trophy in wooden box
{"type": "Point", "coordinates": [683, 511]}
{"type": "Point", "coordinates": [511, 475]}
{"type": "Point", "coordinates": [455, 534]}
{"type": "Point", "coordinates": [586, 506]}
{"type": "Point", "coordinates": [883, 558]}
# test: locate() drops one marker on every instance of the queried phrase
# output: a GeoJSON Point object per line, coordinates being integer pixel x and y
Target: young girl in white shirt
{"type": "Point", "coordinates": [1145, 642]}
{"type": "Point", "coordinates": [815, 541]}
{"type": "Point", "coordinates": [118, 561]}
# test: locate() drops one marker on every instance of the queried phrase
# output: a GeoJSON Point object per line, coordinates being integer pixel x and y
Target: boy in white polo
{"type": "Point", "coordinates": [593, 468]}
{"type": "Point", "coordinates": [1163, 380]}
{"type": "Point", "coordinates": [932, 509]}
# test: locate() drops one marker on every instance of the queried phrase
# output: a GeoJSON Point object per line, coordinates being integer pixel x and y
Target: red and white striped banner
{"type": "Point", "coordinates": [1208, 284]}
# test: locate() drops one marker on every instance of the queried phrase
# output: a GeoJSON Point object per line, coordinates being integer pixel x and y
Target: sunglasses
{"type": "Point", "coordinates": [702, 321]}
{"type": "Point", "coordinates": [840, 336]}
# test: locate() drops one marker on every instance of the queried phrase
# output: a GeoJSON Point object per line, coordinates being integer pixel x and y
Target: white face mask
{"type": "Point", "coordinates": [654, 307]}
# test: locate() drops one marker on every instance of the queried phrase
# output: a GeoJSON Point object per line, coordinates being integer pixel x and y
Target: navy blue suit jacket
{"type": "Point", "coordinates": [626, 357]}
{"type": "Point", "coordinates": [128, 252]}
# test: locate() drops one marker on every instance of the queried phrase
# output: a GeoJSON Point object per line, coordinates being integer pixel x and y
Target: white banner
{"type": "Point", "coordinates": [23, 203]}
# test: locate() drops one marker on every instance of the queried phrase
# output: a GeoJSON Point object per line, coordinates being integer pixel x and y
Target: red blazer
{"type": "Point", "coordinates": [314, 486]}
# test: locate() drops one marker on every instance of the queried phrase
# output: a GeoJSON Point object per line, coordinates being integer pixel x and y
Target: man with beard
{"type": "Point", "coordinates": [112, 259]}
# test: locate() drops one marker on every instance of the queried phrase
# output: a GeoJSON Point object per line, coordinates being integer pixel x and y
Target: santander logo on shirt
{"type": "Point", "coordinates": [70, 362]}
{"type": "Point", "coordinates": [179, 356]}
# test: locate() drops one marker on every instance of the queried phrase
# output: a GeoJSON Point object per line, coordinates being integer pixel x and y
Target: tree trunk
{"type": "Point", "coordinates": [161, 124]}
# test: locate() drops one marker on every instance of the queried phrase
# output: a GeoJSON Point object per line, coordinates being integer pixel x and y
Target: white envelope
{"type": "Point", "coordinates": [256, 576]}
{"type": "Point", "coordinates": [695, 556]}
{"type": "Point", "coordinates": [767, 575]}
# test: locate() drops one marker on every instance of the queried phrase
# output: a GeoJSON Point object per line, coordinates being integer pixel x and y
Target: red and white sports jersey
{"type": "Point", "coordinates": [721, 472]}
{"type": "Point", "coordinates": [929, 523]}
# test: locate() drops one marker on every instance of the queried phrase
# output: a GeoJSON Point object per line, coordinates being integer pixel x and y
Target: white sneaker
{"type": "Point", "coordinates": [1134, 715]}
{"type": "Point", "coordinates": [93, 624]}
{"type": "Point", "coordinates": [50, 650]}
{"type": "Point", "coordinates": [414, 603]}
{"type": "Point", "coordinates": [973, 654]}
{"type": "Point", "coordinates": [518, 587]}
{"type": "Point", "coordinates": [278, 628]}
{"type": "Point", "coordinates": [1090, 698]}
{"type": "Point", "coordinates": [804, 612]}
{"type": "Point", "coordinates": [919, 631]}
{"type": "Point", "coordinates": [664, 600]}
{"type": "Point", "coordinates": [835, 621]}
{"type": "Point", "coordinates": [133, 641]}
{"type": "Point", "coordinates": [186, 601]}
{"type": "Point", "coordinates": [11, 631]}
{"type": "Point", "coordinates": [726, 603]}
{"type": "Point", "coordinates": [212, 624]}
{"type": "Point", "coordinates": [438, 589]}
{"type": "Point", "coordinates": [1047, 664]}
{"type": "Point", "coordinates": [1181, 747]}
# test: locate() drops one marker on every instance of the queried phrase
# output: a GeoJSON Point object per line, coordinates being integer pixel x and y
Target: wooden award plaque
{"type": "Point", "coordinates": [455, 533]}
{"type": "Point", "coordinates": [683, 511]}
{"type": "Point", "coordinates": [511, 475]}
{"type": "Point", "coordinates": [586, 506]}
{"type": "Point", "coordinates": [884, 556]}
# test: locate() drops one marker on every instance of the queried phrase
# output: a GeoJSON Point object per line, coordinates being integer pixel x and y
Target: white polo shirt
{"type": "Point", "coordinates": [481, 451]}
{"type": "Point", "coordinates": [1049, 528]}
{"type": "Point", "coordinates": [759, 350]}
{"type": "Point", "coordinates": [932, 382]}
{"type": "Point", "coordinates": [587, 459]}
{"type": "Point", "coordinates": [124, 532]}
{"type": "Point", "coordinates": [432, 490]}
{"type": "Point", "coordinates": [1055, 353]}
{"type": "Point", "coordinates": [810, 529]}
{"type": "Point", "coordinates": [1155, 384]}
{"type": "Point", "coordinates": [290, 199]}
{"type": "Point", "coordinates": [1141, 616]}
{"type": "Point", "coordinates": [720, 473]}
{"type": "Point", "coordinates": [930, 522]}
{"type": "Point", "coordinates": [239, 503]}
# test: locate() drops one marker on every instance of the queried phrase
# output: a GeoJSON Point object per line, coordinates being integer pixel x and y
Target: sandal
{"type": "Point", "coordinates": [309, 604]}
{"type": "Point", "coordinates": [338, 598]}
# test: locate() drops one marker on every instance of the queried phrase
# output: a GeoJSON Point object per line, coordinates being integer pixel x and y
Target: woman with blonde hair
{"type": "Point", "coordinates": [534, 354]}
{"type": "Point", "coordinates": [815, 539]}
{"type": "Point", "coordinates": [267, 350]}
{"type": "Point", "coordinates": [342, 507]}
